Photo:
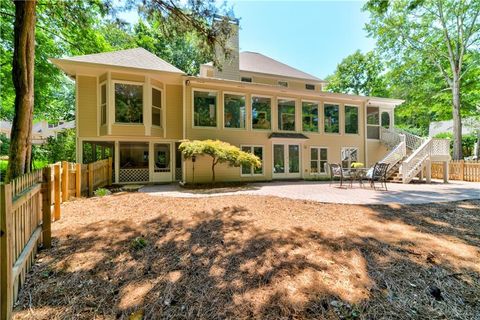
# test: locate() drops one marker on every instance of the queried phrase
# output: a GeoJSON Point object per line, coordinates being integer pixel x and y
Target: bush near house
{"type": "Point", "coordinates": [220, 152]}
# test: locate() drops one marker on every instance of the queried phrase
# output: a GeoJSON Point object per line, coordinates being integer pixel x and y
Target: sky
{"type": "Point", "coordinates": [313, 36]}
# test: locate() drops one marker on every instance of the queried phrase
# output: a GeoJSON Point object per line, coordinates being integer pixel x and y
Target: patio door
{"type": "Point", "coordinates": [162, 162]}
{"type": "Point", "coordinates": [286, 161]}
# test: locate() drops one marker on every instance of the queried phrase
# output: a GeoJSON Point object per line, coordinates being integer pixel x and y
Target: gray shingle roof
{"type": "Point", "coordinates": [132, 58]}
{"type": "Point", "coordinates": [259, 63]}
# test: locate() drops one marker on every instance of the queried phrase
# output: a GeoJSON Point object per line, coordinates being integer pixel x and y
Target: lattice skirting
{"type": "Point", "coordinates": [134, 175]}
{"type": "Point", "coordinates": [178, 174]}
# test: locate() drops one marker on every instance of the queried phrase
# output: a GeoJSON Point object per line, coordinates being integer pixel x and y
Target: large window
{"type": "Point", "coordinates": [349, 156]}
{"type": "Point", "coordinates": [156, 107]}
{"type": "Point", "coordinates": [103, 103]}
{"type": "Point", "coordinates": [310, 116]}
{"type": "Point", "coordinates": [261, 113]}
{"type": "Point", "coordinates": [252, 170]}
{"type": "Point", "coordinates": [286, 114]}
{"type": "Point", "coordinates": [128, 103]}
{"type": "Point", "coordinates": [234, 111]}
{"type": "Point", "coordinates": [204, 109]}
{"type": "Point", "coordinates": [373, 123]}
{"type": "Point", "coordinates": [386, 119]}
{"type": "Point", "coordinates": [351, 119]}
{"type": "Point", "coordinates": [331, 122]}
{"type": "Point", "coordinates": [318, 160]}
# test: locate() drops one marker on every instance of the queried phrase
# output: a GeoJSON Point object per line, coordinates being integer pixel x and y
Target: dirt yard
{"type": "Point", "coordinates": [134, 256]}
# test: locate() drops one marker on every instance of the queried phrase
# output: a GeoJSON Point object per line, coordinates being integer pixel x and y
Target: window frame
{"type": "Point", "coordinates": [251, 111]}
{"type": "Point", "coordinates": [252, 174]}
{"type": "Point", "coordinates": [162, 102]}
{"type": "Point", "coordinates": [309, 84]}
{"type": "Point", "coordinates": [282, 83]}
{"type": "Point", "coordinates": [319, 110]}
{"type": "Point", "coordinates": [102, 112]}
{"type": "Point", "coordinates": [319, 160]}
{"type": "Point", "coordinates": [223, 109]}
{"type": "Point", "coordinates": [250, 79]}
{"type": "Point", "coordinates": [345, 119]}
{"type": "Point", "coordinates": [349, 161]}
{"type": "Point", "coordinates": [142, 84]}
{"type": "Point", "coordinates": [294, 115]}
{"type": "Point", "coordinates": [339, 118]}
{"type": "Point", "coordinates": [216, 108]}
{"type": "Point", "coordinates": [373, 125]}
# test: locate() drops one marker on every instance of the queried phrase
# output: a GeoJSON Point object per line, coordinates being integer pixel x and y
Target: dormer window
{"type": "Point", "coordinates": [246, 79]}
{"type": "Point", "coordinates": [283, 84]}
{"type": "Point", "coordinates": [128, 103]}
{"type": "Point", "coordinates": [310, 86]}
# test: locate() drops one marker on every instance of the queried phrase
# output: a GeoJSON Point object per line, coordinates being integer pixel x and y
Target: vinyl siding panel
{"type": "Point", "coordinates": [174, 111]}
{"type": "Point", "coordinates": [128, 130]}
{"type": "Point", "coordinates": [87, 106]}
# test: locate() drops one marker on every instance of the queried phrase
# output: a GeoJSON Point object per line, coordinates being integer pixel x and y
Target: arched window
{"type": "Point", "coordinates": [386, 119]}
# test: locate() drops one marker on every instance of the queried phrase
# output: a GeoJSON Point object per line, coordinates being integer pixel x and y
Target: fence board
{"type": "Point", "coordinates": [466, 170]}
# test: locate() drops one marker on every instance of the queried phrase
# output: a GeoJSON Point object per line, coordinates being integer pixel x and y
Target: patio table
{"type": "Point", "coordinates": [358, 174]}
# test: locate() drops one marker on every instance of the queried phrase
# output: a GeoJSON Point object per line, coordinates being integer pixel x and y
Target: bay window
{"type": "Point", "coordinates": [261, 113]}
{"type": "Point", "coordinates": [204, 109]}
{"type": "Point", "coordinates": [128, 103]}
{"type": "Point", "coordinates": [286, 114]}
{"type": "Point", "coordinates": [234, 111]}
{"type": "Point", "coordinates": [331, 118]}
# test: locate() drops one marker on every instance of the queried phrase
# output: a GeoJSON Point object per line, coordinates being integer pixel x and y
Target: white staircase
{"type": "Point", "coordinates": [410, 154]}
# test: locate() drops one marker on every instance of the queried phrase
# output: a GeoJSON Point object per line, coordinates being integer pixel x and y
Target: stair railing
{"type": "Point", "coordinates": [396, 155]}
{"type": "Point", "coordinates": [412, 166]}
{"type": "Point", "coordinates": [389, 137]}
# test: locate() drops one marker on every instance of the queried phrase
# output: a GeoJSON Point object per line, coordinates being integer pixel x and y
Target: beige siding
{"type": "Point", "coordinates": [87, 106]}
{"type": "Point", "coordinates": [376, 151]}
{"type": "Point", "coordinates": [128, 130]}
{"type": "Point", "coordinates": [174, 112]}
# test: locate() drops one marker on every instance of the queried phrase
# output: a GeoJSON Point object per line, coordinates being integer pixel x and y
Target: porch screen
{"type": "Point", "coordinates": [134, 162]}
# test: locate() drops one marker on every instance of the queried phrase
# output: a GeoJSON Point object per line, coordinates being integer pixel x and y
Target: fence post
{"type": "Point", "coordinates": [109, 171]}
{"type": "Point", "coordinates": [6, 244]}
{"type": "Point", "coordinates": [462, 170]}
{"type": "Point", "coordinates": [64, 181]}
{"type": "Point", "coordinates": [57, 191]}
{"type": "Point", "coordinates": [90, 179]}
{"type": "Point", "coordinates": [78, 180]}
{"type": "Point", "coordinates": [47, 207]}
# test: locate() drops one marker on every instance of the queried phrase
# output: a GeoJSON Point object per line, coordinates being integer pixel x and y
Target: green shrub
{"type": "Point", "coordinates": [101, 192]}
{"type": "Point", "coordinates": [468, 142]}
{"type": "Point", "coordinates": [138, 243]}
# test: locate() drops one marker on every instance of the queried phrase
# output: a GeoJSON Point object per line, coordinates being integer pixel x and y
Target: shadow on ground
{"type": "Point", "coordinates": [221, 263]}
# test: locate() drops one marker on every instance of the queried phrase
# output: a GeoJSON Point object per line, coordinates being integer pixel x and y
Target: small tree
{"type": "Point", "coordinates": [220, 152]}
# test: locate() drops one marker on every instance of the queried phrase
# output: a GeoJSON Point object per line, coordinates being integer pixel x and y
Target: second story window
{"type": "Point", "coordinates": [310, 116]}
{"type": "Point", "coordinates": [310, 86]}
{"type": "Point", "coordinates": [156, 107]}
{"type": "Point", "coordinates": [234, 111]}
{"type": "Point", "coordinates": [261, 113]}
{"type": "Point", "coordinates": [331, 117]}
{"type": "Point", "coordinates": [103, 103]}
{"type": "Point", "coordinates": [283, 84]}
{"type": "Point", "coordinates": [351, 119]}
{"type": "Point", "coordinates": [204, 109]}
{"type": "Point", "coordinates": [286, 114]}
{"type": "Point", "coordinates": [373, 123]}
{"type": "Point", "coordinates": [246, 79]}
{"type": "Point", "coordinates": [128, 103]}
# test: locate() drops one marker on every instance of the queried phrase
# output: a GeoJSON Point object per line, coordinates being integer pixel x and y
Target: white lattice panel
{"type": "Point", "coordinates": [134, 175]}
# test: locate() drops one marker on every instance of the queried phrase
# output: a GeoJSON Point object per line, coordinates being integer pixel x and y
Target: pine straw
{"type": "Point", "coordinates": [238, 257]}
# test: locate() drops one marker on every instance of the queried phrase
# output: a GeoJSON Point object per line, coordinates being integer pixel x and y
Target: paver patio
{"type": "Point", "coordinates": [323, 192]}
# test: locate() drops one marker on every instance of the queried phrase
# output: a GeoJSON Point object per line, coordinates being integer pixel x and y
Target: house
{"type": "Point", "coordinates": [136, 107]}
{"type": "Point", "coordinates": [41, 130]}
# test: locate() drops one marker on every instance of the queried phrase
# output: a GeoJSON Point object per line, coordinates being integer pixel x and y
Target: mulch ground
{"type": "Point", "coordinates": [134, 256]}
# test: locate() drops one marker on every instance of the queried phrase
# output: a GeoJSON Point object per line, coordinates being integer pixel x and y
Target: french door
{"type": "Point", "coordinates": [286, 161]}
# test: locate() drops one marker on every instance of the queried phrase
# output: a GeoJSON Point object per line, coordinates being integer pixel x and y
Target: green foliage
{"type": "Point", "coordinates": [468, 142]}
{"type": "Point", "coordinates": [4, 145]}
{"type": "Point", "coordinates": [101, 192]}
{"type": "Point", "coordinates": [359, 74]}
{"type": "Point", "coordinates": [220, 152]}
{"type": "Point", "coordinates": [138, 243]}
{"type": "Point", "coordinates": [60, 148]}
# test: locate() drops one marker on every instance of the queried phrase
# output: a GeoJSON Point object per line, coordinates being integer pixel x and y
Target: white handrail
{"type": "Point", "coordinates": [415, 162]}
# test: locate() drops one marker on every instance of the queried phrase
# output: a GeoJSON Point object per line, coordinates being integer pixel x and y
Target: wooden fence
{"type": "Point", "coordinates": [28, 205]}
{"type": "Point", "coordinates": [458, 170]}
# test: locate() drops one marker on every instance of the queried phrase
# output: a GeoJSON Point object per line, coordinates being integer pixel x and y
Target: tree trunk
{"type": "Point", "coordinates": [477, 149]}
{"type": "Point", "coordinates": [22, 75]}
{"type": "Point", "coordinates": [457, 120]}
{"type": "Point", "coordinates": [214, 162]}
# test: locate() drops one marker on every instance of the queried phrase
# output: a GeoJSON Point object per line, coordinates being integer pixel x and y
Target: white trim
{"type": "Point", "coordinates": [373, 125]}
{"type": "Point", "coordinates": [287, 174]}
{"type": "Point", "coordinates": [319, 160]}
{"type": "Point", "coordinates": [345, 118]}
{"type": "Point", "coordinates": [162, 107]}
{"type": "Point", "coordinates": [318, 115]}
{"type": "Point", "coordinates": [251, 112]}
{"type": "Point", "coordinates": [339, 133]}
{"type": "Point", "coordinates": [110, 104]}
{"type": "Point", "coordinates": [223, 110]}
{"type": "Point", "coordinates": [142, 84]}
{"type": "Point", "coordinates": [295, 100]}
{"type": "Point", "coordinates": [216, 109]}
{"type": "Point", "coordinates": [263, 159]}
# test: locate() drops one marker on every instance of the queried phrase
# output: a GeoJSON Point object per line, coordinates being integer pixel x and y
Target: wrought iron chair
{"type": "Point", "coordinates": [379, 174]}
{"type": "Point", "coordinates": [336, 171]}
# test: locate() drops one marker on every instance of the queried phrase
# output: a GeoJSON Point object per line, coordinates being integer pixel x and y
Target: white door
{"type": "Point", "coordinates": [162, 162]}
{"type": "Point", "coordinates": [286, 161]}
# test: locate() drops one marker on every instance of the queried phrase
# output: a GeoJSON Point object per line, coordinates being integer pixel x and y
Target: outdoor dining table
{"type": "Point", "coordinates": [358, 174]}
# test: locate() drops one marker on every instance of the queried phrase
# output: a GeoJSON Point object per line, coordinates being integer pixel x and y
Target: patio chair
{"type": "Point", "coordinates": [336, 171]}
{"type": "Point", "coordinates": [378, 173]}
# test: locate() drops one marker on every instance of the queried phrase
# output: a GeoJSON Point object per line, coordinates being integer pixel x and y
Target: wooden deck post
{"type": "Point", "coordinates": [64, 181]}
{"type": "Point", "coordinates": [428, 170]}
{"type": "Point", "coordinates": [57, 191]}
{"type": "Point", "coordinates": [90, 179]}
{"type": "Point", "coordinates": [78, 180]}
{"type": "Point", "coordinates": [47, 207]}
{"type": "Point", "coordinates": [109, 171]}
{"type": "Point", "coordinates": [445, 171]}
{"type": "Point", "coordinates": [6, 244]}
